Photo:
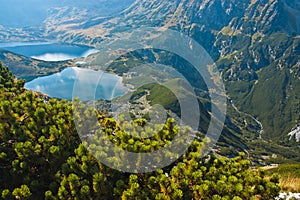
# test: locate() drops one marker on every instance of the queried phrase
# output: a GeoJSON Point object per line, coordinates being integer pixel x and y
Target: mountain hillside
{"type": "Point", "coordinates": [42, 157]}
{"type": "Point", "coordinates": [255, 44]}
{"type": "Point", "coordinates": [20, 14]}
{"type": "Point", "coordinates": [28, 68]}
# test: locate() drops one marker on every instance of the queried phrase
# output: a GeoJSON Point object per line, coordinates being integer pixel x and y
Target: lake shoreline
{"type": "Point", "coordinates": [91, 84]}
{"type": "Point", "coordinates": [49, 51]}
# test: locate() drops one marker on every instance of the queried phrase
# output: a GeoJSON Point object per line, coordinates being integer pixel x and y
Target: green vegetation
{"type": "Point", "coordinates": [41, 156]}
{"type": "Point", "coordinates": [262, 79]}
{"type": "Point", "coordinates": [289, 176]}
{"type": "Point", "coordinates": [255, 45]}
{"type": "Point", "coordinates": [257, 49]}
{"type": "Point", "coordinates": [28, 68]}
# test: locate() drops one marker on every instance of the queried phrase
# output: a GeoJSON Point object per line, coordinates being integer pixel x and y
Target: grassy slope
{"type": "Point", "coordinates": [28, 68]}
{"type": "Point", "coordinates": [289, 176]}
{"type": "Point", "coordinates": [270, 89]}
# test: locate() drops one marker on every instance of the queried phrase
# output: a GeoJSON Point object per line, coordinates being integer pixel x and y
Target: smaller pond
{"type": "Point", "coordinates": [49, 51]}
{"type": "Point", "coordinates": [76, 82]}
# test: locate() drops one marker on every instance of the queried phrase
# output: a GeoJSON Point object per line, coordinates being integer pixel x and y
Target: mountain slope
{"type": "Point", "coordinates": [28, 68]}
{"type": "Point", "coordinates": [255, 44]}
{"type": "Point", "coordinates": [20, 14]}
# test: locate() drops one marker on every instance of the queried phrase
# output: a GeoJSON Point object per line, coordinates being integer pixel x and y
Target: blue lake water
{"type": "Point", "coordinates": [74, 82]}
{"type": "Point", "coordinates": [48, 51]}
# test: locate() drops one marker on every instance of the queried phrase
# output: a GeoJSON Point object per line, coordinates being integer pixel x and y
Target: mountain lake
{"type": "Point", "coordinates": [72, 82]}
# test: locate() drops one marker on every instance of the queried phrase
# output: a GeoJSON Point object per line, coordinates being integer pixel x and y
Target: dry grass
{"type": "Point", "coordinates": [289, 176]}
{"type": "Point", "coordinates": [289, 183]}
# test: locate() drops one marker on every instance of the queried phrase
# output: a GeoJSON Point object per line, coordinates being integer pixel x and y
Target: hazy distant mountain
{"type": "Point", "coordinates": [19, 13]}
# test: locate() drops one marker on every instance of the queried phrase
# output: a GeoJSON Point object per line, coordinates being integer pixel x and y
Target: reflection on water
{"type": "Point", "coordinates": [97, 85]}
{"type": "Point", "coordinates": [49, 51]}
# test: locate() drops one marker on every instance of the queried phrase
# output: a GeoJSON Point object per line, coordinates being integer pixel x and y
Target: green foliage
{"type": "Point", "coordinates": [286, 169]}
{"type": "Point", "coordinates": [8, 81]}
{"type": "Point", "coordinates": [22, 193]}
{"type": "Point", "coordinates": [41, 156]}
{"type": "Point", "coordinates": [288, 176]}
{"type": "Point", "coordinates": [262, 79]}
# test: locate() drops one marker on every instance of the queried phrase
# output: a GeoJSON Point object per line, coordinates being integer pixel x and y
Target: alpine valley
{"type": "Point", "coordinates": [255, 45]}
